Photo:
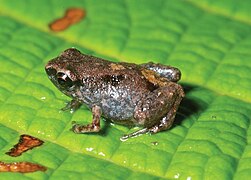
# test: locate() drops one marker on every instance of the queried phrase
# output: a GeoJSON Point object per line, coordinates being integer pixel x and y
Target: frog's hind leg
{"type": "Point", "coordinates": [158, 110]}
{"type": "Point", "coordinates": [167, 121]}
{"type": "Point", "coordinates": [171, 73]}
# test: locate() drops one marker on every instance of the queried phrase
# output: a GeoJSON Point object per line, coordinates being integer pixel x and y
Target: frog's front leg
{"type": "Point", "coordinates": [73, 105]}
{"type": "Point", "coordinates": [94, 126]}
{"type": "Point", "coordinates": [156, 112]}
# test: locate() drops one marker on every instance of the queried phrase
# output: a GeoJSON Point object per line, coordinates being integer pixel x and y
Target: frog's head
{"type": "Point", "coordinates": [61, 72]}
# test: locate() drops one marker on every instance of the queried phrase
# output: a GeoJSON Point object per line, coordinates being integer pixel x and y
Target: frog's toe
{"type": "Point", "coordinates": [75, 128]}
{"type": "Point", "coordinates": [73, 123]}
{"type": "Point", "coordinates": [73, 105]}
{"type": "Point", "coordinates": [134, 134]}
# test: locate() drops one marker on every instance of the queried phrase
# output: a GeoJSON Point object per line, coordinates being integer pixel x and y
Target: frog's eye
{"type": "Point", "coordinates": [64, 80]}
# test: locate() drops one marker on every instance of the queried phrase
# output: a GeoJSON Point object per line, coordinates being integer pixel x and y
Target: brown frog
{"type": "Point", "coordinates": [144, 95]}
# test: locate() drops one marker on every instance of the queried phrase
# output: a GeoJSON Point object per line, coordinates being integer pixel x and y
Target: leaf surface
{"type": "Point", "coordinates": [208, 41]}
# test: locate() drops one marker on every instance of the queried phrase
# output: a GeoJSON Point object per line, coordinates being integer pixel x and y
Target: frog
{"type": "Point", "coordinates": [144, 95]}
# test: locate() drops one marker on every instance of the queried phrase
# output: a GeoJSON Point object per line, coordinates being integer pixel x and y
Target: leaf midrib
{"type": "Point", "coordinates": [211, 10]}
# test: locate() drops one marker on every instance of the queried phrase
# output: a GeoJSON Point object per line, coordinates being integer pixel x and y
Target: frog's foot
{"type": "Point", "coordinates": [80, 129]}
{"type": "Point", "coordinates": [93, 127]}
{"type": "Point", "coordinates": [73, 105]}
{"type": "Point", "coordinates": [134, 134]}
{"type": "Point", "coordinates": [167, 121]}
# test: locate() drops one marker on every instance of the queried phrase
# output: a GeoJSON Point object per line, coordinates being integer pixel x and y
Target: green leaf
{"type": "Point", "coordinates": [209, 41]}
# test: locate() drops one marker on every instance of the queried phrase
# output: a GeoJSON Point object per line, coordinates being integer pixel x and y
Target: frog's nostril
{"type": "Point", "coordinates": [50, 71]}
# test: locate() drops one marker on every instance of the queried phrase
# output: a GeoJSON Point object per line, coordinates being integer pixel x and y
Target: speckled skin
{"type": "Point", "coordinates": [143, 95]}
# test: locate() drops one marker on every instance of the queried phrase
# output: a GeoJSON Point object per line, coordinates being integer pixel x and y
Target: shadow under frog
{"type": "Point", "coordinates": [189, 106]}
{"type": "Point", "coordinates": [145, 95]}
